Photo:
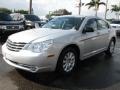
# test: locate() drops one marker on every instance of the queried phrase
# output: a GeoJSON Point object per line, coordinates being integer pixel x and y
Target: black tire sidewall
{"type": "Point", "coordinates": [108, 52]}
{"type": "Point", "coordinates": [28, 27]}
{"type": "Point", "coordinates": [60, 61]}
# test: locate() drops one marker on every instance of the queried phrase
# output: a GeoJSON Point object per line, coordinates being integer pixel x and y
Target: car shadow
{"type": "Point", "coordinates": [93, 73]}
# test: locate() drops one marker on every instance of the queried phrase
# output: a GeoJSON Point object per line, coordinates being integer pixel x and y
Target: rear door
{"type": "Point", "coordinates": [90, 38]}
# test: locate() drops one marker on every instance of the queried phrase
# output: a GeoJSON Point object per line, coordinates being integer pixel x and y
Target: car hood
{"type": "Point", "coordinates": [34, 34]}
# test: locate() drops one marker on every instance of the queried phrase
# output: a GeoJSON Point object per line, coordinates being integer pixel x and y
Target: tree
{"type": "Point", "coordinates": [21, 11]}
{"type": "Point", "coordinates": [116, 9]}
{"type": "Point", "coordinates": [48, 16]}
{"type": "Point", "coordinates": [96, 4]}
{"type": "Point", "coordinates": [5, 10]}
{"type": "Point", "coordinates": [58, 13]}
{"type": "Point", "coordinates": [61, 12]}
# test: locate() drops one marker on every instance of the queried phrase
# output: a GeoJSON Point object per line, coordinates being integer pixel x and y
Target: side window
{"type": "Point", "coordinates": [78, 22]}
{"type": "Point", "coordinates": [102, 25]}
{"type": "Point", "coordinates": [91, 23]}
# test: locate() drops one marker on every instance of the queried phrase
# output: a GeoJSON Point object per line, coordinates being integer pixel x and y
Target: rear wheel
{"type": "Point", "coordinates": [67, 61]}
{"type": "Point", "coordinates": [111, 48]}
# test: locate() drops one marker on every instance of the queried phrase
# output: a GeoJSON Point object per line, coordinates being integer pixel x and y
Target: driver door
{"type": "Point", "coordinates": [90, 38]}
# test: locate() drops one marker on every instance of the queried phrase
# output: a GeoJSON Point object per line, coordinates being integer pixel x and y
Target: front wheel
{"type": "Point", "coordinates": [67, 61]}
{"type": "Point", "coordinates": [28, 28]}
{"type": "Point", "coordinates": [111, 48]}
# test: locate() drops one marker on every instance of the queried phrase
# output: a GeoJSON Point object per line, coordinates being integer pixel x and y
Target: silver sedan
{"type": "Point", "coordinates": [60, 44]}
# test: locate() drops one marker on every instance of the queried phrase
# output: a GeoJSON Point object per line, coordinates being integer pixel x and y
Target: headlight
{"type": "Point", "coordinates": [3, 27]}
{"type": "Point", "coordinates": [30, 23]}
{"type": "Point", "coordinates": [21, 26]}
{"type": "Point", "coordinates": [40, 46]}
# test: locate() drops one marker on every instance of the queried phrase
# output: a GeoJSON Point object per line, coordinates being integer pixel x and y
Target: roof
{"type": "Point", "coordinates": [77, 16]}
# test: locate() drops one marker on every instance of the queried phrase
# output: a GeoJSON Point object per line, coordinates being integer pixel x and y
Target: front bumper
{"type": "Point", "coordinates": [29, 61]}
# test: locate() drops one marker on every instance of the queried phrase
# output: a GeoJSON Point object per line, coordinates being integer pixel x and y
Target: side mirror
{"type": "Point", "coordinates": [88, 29]}
{"type": "Point", "coordinates": [77, 27]}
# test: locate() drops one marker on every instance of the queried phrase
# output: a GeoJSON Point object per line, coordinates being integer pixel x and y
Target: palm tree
{"type": "Point", "coordinates": [116, 9]}
{"type": "Point", "coordinates": [95, 4]}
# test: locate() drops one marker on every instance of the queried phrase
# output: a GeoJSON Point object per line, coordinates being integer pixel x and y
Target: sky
{"type": "Point", "coordinates": [42, 7]}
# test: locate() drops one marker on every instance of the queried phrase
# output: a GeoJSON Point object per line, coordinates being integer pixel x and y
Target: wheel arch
{"type": "Point", "coordinates": [72, 46]}
{"type": "Point", "coordinates": [76, 47]}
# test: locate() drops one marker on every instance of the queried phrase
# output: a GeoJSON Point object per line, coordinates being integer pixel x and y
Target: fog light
{"type": "Point", "coordinates": [34, 68]}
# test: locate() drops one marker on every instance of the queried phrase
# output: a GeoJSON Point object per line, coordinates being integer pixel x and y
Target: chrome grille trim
{"type": "Point", "coordinates": [12, 27]}
{"type": "Point", "coordinates": [15, 46]}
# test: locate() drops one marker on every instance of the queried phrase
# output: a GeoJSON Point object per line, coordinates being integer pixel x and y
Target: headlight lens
{"type": "Point", "coordinates": [40, 46]}
{"type": "Point", "coordinates": [29, 23]}
{"type": "Point", "coordinates": [3, 27]}
{"type": "Point", "coordinates": [21, 26]}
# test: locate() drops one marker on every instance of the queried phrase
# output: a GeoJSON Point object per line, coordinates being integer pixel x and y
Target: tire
{"type": "Point", "coordinates": [111, 48]}
{"type": "Point", "coordinates": [29, 28]}
{"type": "Point", "coordinates": [67, 61]}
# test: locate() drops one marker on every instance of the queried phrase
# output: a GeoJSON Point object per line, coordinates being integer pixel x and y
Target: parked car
{"type": "Point", "coordinates": [8, 26]}
{"type": "Point", "coordinates": [29, 20]}
{"type": "Point", "coordinates": [43, 22]}
{"type": "Point", "coordinates": [116, 24]}
{"type": "Point", "coordinates": [60, 44]}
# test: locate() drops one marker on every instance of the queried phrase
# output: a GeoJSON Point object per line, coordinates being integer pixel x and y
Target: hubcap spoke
{"type": "Point", "coordinates": [69, 61]}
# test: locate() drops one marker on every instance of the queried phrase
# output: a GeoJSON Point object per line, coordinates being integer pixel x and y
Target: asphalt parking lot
{"type": "Point", "coordinates": [98, 72]}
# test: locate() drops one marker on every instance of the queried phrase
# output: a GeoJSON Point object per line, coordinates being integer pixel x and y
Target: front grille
{"type": "Point", "coordinates": [13, 27]}
{"type": "Point", "coordinates": [15, 46]}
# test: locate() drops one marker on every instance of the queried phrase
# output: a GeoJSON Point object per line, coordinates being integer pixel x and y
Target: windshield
{"type": "Point", "coordinates": [32, 18]}
{"type": "Point", "coordinates": [5, 17]}
{"type": "Point", "coordinates": [115, 22]}
{"type": "Point", "coordinates": [64, 23]}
